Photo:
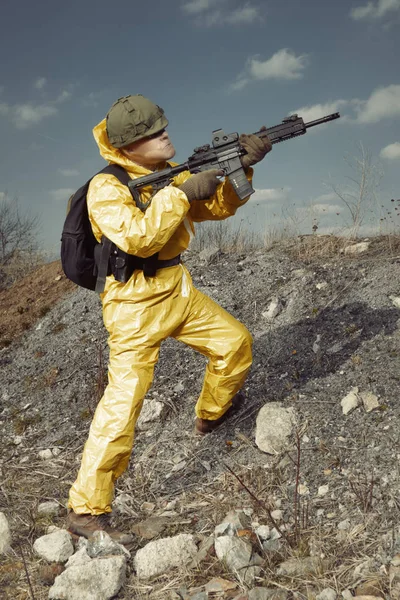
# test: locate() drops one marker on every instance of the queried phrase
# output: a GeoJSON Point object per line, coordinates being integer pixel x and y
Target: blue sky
{"type": "Point", "coordinates": [210, 64]}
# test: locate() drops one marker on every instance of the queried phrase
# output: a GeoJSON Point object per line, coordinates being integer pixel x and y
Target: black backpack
{"type": "Point", "coordinates": [79, 247]}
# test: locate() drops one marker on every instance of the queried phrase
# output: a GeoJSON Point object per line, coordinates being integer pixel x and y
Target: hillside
{"type": "Point", "coordinates": [324, 322]}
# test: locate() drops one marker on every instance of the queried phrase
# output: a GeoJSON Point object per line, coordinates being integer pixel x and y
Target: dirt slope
{"type": "Point", "coordinates": [338, 328]}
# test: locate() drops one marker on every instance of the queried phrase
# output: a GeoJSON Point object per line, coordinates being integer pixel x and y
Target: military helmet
{"type": "Point", "coordinates": [131, 118]}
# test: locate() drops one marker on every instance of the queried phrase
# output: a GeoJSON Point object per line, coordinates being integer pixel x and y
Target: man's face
{"type": "Point", "coordinates": [150, 151]}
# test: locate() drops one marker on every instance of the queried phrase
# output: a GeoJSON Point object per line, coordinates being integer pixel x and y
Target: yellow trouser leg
{"type": "Point", "coordinates": [109, 446]}
{"type": "Point", "coordinates": [227, 343]}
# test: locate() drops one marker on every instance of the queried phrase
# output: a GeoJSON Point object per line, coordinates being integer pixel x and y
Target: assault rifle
{"type": "Point", "coordinates": [223, 154]}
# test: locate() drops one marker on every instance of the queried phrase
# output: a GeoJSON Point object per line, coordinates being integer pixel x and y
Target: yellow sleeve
{"type": "Point", "coordinates": [112, 212]}
{"type": "Point", "coordinates": [223, 204]}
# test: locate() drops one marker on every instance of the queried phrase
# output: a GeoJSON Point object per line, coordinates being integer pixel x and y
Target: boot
{"type": "Point", "coordinates": [86, 524]}
{"type": "Point", "coordinates": [204, 426]}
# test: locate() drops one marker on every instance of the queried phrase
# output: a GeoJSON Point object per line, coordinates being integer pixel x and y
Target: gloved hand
{"type": "Point", "coordinates": [202, 185]}
{"type": "Point", "coordinates": [256, 147]}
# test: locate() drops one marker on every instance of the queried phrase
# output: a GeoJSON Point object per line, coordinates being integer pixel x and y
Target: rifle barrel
{"type": "Point", "coordinates": [322, 120]}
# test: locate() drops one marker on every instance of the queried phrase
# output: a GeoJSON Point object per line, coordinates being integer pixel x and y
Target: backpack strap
{"type": "Point", "coordinates": [106, 244]}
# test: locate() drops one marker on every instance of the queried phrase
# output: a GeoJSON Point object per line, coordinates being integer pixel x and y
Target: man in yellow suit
{"type": "Point", "coordinates": [144, 311]}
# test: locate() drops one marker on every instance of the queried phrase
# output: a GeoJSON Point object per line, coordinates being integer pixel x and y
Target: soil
{"type": "Point", "coordinates": [338, 328]}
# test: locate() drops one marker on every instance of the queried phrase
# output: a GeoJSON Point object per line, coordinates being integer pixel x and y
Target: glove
{"type": "Point", "coordinates": [202, 185]}
{"type": "Point", "coordinates": [256, 146]}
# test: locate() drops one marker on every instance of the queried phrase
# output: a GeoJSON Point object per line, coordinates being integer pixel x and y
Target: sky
{"type": "Point", "coordinates": [210, 64]}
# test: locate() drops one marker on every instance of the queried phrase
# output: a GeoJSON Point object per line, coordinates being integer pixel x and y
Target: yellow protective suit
{"type": "Point", "coordinates": [143, 312]}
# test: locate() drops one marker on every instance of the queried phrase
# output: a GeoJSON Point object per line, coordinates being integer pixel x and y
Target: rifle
{"type": "Point", "coordinates": [223, 154]}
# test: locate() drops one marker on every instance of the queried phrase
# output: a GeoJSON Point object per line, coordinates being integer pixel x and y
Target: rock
{"type": "Point", "coordinates": [208, 255]}
{"type": "Point", "coordinates": [161, 555]}
{"type": "Point", "coordinates": [357, 248]}
{"type": "Point", "coordinates": [152, 411]}
{"type": "Point", "coordinates": [5, 534]}
{"type": "Point", "coordinates": [81, 557]}
{"type": "Point", "coordinates": [395, 301]}
{"type": "Point", "coordinates": [370, 401]}
{"type": "Point", "coordinates": [274, 425]}
{"type": "Point", "coordinates": [234, 520]}
{"type": "Point", "coordinates": [344, 525]}
{"type": "Point", "coordinates": [234, 552]}
{"type": "Point", "coordinates": [101, 544]}
{"type": "Point", "coordinates": [273, 310]}
{"type": "Point", "coordinates": [323, 490]}
{"type": "Point", "coordinates": [371, 587]}
{"type": "Point", "coordinates": [272, 543]}
{"type": "Point", "coordinates": [49, 509]}
{"type": "Point", "coordinates": [300, 567]}
{"type": "Point", "coordinates": [151, 527]}
{"type": "Point", "coordinates": [263, 532]}
{"type": "Point", "coordinates": [45, 454]}
{"type": "Point", "coordinates": [54, 547]}
{"type": "Point", "coordinates": [101, 579]}
{"type": "Point", "coordinates": [277, 514]}
{"type": "Point", "coordinates": [351, 401]}
{"type": "Point", "coordinates": [327, 594]}
{"type": "Point", "coordinates": [321, 286]}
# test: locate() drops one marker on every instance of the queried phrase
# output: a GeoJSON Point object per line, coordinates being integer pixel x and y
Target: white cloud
{"type": "Point", "coordinates": [65, 95]}
{"type": "Point", "coordinates": [2, 195]}
{"type": "Point", "coordinates": [391, 152]}
{"type": "Point", "coordinates": [68, 172]}
{"type": "Point", "coordinates": [270, 195]}
{"type": "Point", "coordinates": [62, 194]}
{"type": "Point", "coordinates": [316, 111]}
{"type": "Point", "coordinates": [284, 64]}
{"type": "Point", "coordinates": [383, 103]}
{"type": "Point", "coordinates": [26, 115]}
{"type": "Point", "coordinates": [4, 109]}
{"type": "Point", "coordinates": [374, 10]}
{"type": "Point", "coordinates": [195, 7]}
{"type": "Point", "coordinates": [212, 13]}
{"type": "Point", "coordinates": [245, 14]}
{"type": "Point", "coordinates": [40, 83]}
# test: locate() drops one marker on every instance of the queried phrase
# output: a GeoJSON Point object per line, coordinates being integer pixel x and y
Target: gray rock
{"type": "Point", "coordinates": [233, 551]}
{"type": "Point", "coordinates": [395, 301]}
{"type": "Point", "coordinates": [161, 555]}
{"type": "Point", "coordinates": [274, 425]}
{"type": "Point", "coordinates": [234, 520]}
{"type": "Point", "coordinates": [273, 310]}
{"type": "Point", "coordinates": [81, 557]}
{"type": "Point", "coordinates": [350, 401]}
{"type": "Point", "coordinates": [54, 547]}
{"type": "Point", "coordinates": [296, 567]}
{"type": "Point", "coordinates": [100, 579]}
{"type": "Point", "coordinates": [101, 544]}
{"type": "Point", "coordinates": [357, 248]}
{"type": "Point", "coordinates": [5, 534]}
{"type": "Point", "coordinates": [209, 254]}
{"type": "Point", "coordinates": [152, 411]}
{"type": "Point", "coordinates": [49, 509]}
{"type": "Point", "coordinates": [370, 401]}
{"type": "Point", "coordinates": [327, 594]}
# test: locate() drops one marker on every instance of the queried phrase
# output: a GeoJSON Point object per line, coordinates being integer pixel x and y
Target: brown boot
{"type": "Point", "coordinates": [204, 426]}
{"type": "Point", "coordinates": [85, 525]}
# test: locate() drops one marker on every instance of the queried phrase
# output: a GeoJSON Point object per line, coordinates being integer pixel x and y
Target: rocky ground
{"type": "Point", "coordinates": [308, 465]}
